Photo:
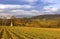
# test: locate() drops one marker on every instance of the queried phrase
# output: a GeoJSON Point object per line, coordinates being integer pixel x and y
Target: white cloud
{"type": "Point", "coordinates": [16, 11]}
{"type": "Point", "coordinates": [24, 12]}
{"type": "Point", "coordinates": [5, 6]}
{"type": "Point", "coordinates": [49, 1]}
{"type": "Point", "coordinates": [8, 15]}
{"type": "Point", "coordinates": [26, 6]}
{"type": "Point", "coordinates": [34, 10]}
{"type": "Point", "coordinates": [53, 9]}
{"type": "Point", "coordinates": [1, 10]}
{"type": "Point", "coordinates": [50, 9]}
{"type": "Point", "coordinates": [30, 1]}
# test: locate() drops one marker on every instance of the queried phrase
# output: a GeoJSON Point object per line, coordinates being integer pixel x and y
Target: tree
{"type": "Point", "coordinates": [13, 18]}
{"type": "Point", "coordinates": [4, 21]}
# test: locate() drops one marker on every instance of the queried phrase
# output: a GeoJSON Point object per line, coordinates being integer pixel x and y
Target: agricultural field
{"type": "Point", "coordinates": [12, 32]}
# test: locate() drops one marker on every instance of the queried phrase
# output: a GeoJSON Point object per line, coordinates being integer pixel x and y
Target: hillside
{"type": "Point", "coordinates": [50, 16]}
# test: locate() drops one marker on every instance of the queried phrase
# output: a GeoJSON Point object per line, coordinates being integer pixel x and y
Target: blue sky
{"type": "Point", "coordinates": [29, 7]}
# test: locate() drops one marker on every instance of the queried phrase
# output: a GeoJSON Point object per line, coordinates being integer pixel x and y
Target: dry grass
{"type": "Point", "coordinates": [29, 33]}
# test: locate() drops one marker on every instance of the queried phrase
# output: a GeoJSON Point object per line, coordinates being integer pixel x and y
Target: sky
{"type": "Point", "coordinates": [29, 7]}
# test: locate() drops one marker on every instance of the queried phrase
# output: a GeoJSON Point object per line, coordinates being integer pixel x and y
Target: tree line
{"type": "Point", "coordinates": [28, 22]}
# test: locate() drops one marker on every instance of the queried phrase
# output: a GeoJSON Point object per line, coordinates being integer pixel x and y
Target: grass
{"type": "Point", "coordinates": [29, 33]}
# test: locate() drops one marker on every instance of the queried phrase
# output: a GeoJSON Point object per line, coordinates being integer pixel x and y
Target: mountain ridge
{"type": "Point", "coordinates": [49, 16]}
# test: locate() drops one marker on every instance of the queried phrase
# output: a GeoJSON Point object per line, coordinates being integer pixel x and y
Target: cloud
{"type": "Point", "coordinates": [27, 7]}
{"type": "Point", "coordinates": [20, 12]}
{"type": "Point", "coordinates": [49, 1]}
{"type": "Point", "coordinates": [51, 9]}
{"type": "Point", "coordinates": [1, 10]}
{"type": "Point", "coordinates": [17, 1]}
{"type": "Point", "coordinates": [6, 6]}
{"type": "Point", "coordinates": [24, 12]}
{"type": "Point", "coordinates": [23, 4]}
{"type": "Point", "coordinates": [30, 1]}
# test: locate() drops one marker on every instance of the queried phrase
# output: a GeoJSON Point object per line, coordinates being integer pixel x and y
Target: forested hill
{"type": "Point", "coordinates": [50, 16]}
